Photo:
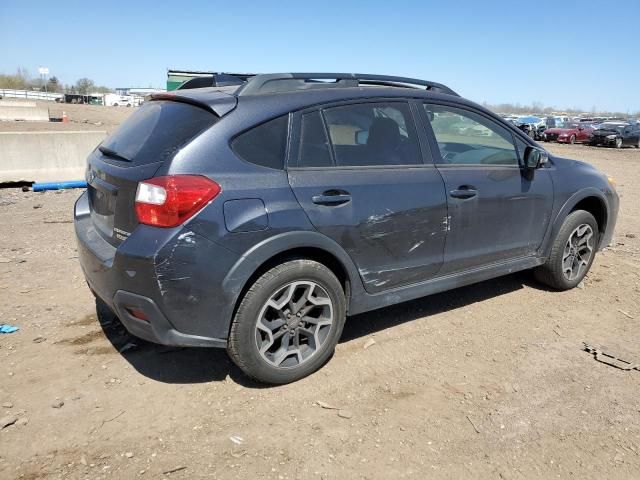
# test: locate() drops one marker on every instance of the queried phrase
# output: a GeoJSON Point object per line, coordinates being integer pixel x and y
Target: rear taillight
{"type": "Point", "coordinates": [171, 200]}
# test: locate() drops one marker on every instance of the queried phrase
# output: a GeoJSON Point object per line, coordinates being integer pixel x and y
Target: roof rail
{"type": "Point", "coordinates": [284, 82]}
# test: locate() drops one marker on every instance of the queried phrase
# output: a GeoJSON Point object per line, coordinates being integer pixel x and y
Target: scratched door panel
{"type": "Point", "coordinates": [393, 227]}
{"type": "Point", "coordinates": [506, 219]}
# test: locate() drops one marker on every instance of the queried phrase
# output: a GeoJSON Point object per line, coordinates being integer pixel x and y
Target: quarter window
{"type": "Point", "coordinates": [467, 138]}
{"type": "Point", "coordinates": [264, 145]}
{"type": "Point", "coordinates": [372, 134]}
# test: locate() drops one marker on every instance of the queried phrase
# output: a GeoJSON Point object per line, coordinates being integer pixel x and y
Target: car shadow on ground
{"type": "Point", "coordinates": [201, 365]}
{"type": "Point", "coordinates": [371, 322]}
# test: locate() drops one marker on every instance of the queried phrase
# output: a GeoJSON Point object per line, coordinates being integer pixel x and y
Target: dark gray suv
{"type": "Point", "coordinates": [258, 220]}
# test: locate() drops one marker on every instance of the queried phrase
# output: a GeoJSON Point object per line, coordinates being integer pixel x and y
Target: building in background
{"type": "Point", "coordinates": [195, 79]}
{"type": "Point", "coordinates": [138, 91]}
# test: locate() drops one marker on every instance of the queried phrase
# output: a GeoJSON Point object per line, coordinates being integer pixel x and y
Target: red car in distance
{"type": "Point", "coordinates": [570, 133]}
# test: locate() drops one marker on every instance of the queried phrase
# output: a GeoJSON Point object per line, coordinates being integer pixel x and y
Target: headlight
{"type": "Point", "coordinates": [611, 137]}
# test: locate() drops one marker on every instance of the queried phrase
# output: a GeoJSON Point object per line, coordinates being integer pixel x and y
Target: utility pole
{"type": "Point", "coordinates": [44, 72]}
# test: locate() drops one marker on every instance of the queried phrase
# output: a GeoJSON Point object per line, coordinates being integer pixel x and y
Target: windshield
{"type": "Point", "coordinates": [611, 126]}
{"type": "Point", "coordinates": [156, 131]}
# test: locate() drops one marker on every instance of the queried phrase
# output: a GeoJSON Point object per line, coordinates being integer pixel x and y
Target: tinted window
{"type": "Point", "coordinates": [157, 131]}
{"type": "Point", "coordinates": [314, 146]}
{"type": "Point", "coordinates": [373, 134]}
{"type": "Point", "coordinates": [264, 145]}
{"type": "Point", "coordinates": [467, 138]}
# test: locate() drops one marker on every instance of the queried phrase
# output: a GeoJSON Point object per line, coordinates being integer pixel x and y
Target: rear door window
{"type": "Point", "coordinates": [264, 145]}
{"type": "Point", "coordinates": [156, 132]}
{"type": "Point", "coordinates": [314, 144]}
{"type": "Point", "coordinates": [369, 134]}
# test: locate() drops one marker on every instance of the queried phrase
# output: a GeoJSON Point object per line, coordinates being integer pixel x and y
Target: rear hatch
{"type": "Point", "coordinates": [135, 151]}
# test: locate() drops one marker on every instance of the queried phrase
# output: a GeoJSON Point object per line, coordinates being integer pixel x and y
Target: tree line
{"type": "Point", "coordinates": [22, 80]}
{"type": "Point", "coordinates": [540, 109]}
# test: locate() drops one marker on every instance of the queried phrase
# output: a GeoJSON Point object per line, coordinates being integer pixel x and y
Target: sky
{"type": "Point", "coordinates": [567, 54]}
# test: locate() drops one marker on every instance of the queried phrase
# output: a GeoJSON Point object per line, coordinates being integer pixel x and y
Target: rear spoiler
{"type": "Point", "coordinates": [212, 99]}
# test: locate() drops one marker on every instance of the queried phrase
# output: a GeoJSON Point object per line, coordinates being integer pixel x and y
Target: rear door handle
{"type": "Point", "coordinates": [331, 199]}
{"type": "Point", "coordinates": [464, 192]}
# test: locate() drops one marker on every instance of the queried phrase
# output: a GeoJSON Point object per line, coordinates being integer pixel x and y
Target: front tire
{"type": "Point", "coordinates": [572, 253]}
{"type": "Point", "coordinates": [288, 323]}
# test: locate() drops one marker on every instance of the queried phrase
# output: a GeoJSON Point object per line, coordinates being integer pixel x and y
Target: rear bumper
{"type": "Point", "coordinates": [157, 329]}
{"type": "Point", "coordinates": [173, 276]}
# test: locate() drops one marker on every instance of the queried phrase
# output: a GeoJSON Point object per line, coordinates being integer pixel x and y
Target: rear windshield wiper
{"type": "Point", "coordinates": [112, 153]}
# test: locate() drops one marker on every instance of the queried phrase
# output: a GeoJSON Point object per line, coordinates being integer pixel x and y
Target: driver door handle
{"type": "Point", "coordinates": [464, 192]}
{"type": "Point", "coordinates": [331, 198]}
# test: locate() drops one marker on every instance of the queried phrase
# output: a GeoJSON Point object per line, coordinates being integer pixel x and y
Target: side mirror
{"type": "Point", "coordinates": [361, 137]}
{"type": "Point", "coordinates": [534, 158]}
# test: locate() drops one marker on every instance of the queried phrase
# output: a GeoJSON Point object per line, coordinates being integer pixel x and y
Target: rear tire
{"type": "Point", "coordinates": [288, 323]}
{"type": "Point", "coordinates": [572, 253]}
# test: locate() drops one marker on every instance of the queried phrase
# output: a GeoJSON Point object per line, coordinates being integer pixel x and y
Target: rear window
{"type": "Point", "coordinates": [157, 131]}
{"type": "Point", "coordinates": [264, 145]}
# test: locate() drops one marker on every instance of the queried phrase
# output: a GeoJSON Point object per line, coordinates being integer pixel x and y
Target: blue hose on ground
{"type": "Point", "coordinates": [40, 187]}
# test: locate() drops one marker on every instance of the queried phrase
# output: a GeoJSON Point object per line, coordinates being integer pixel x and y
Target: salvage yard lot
{"type": "Point", "coordinates": [487, 381]}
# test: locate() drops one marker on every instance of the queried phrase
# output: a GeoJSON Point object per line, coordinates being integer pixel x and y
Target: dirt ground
{"type": "Point", "coordinates": [81, 117]}
{"type": "Point", "coordinates": [487, 381]}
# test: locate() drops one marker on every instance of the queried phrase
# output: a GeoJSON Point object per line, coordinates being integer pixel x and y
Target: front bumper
{"type": "Point", "coordinates": [614, 204]}
{"type": "Point", "coordinates": [173, 276]}
{"type": "Point", "coordinates": [603, 141]}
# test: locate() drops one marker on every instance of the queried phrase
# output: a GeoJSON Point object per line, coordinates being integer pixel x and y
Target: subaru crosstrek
{"type": "Point", "coordinates": [258, 221]}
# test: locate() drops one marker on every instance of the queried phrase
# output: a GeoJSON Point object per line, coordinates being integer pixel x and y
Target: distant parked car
{"type": "Point", "coordinates": [556, 122]}
{"type": "Point", "coordinates": [116, 100]}
{"type": "Point", "coordinates": [616, 134]}
{"type": "Point", "coordinates": [532, 126]}
{"type": "Point", "coordinates": [570, 133]}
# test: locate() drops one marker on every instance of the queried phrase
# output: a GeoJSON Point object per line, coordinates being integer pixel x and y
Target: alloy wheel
{"type": "Point", "coordinates": [577, 252]}
{"type": "Point", "coordinates": [294, 324]}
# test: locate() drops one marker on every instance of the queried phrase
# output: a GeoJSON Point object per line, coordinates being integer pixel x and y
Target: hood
{"type": "Point", "coordinates": [568, 163]}
{"type": "Point", "coordinates": [607, 131]}
{"type": "Point", "coordinates": [560, 131]}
